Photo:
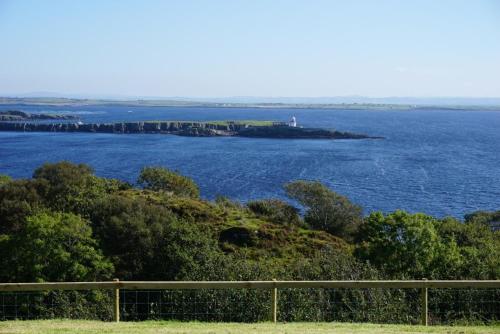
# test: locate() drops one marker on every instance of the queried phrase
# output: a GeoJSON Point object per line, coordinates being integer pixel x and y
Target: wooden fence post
{"type": "Point", "coordinates": [116, 308]}
{"type": "Point", "coordinates": [424, 316]}
{"type": "Point", "coordinates": [274, 305]}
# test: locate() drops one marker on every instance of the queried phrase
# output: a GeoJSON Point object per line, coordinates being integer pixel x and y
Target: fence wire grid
{"type": "Point", "coordinates": [376, 305]}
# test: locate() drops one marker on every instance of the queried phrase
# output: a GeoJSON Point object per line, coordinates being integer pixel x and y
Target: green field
{"type": "Point", "coordinates": [225, 122]}
{"type": "Point", "coordinates": [146, 327]}
{"type": "Point", "coordinates": [246, 122]}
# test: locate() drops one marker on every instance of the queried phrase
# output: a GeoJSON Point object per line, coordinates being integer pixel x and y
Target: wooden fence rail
{"type": "Point", "coordinates": [273, 285]}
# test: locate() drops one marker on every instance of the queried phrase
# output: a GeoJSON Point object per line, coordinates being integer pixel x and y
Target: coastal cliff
{"type": "Point", "coordinates": [192, 129]}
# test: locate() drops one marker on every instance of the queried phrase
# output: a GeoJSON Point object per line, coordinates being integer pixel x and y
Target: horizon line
{"type": "Point", "coordinates": [120, 96]}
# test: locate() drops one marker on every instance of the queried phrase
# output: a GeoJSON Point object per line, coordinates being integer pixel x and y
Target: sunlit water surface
{"type": "Point", "coordinates": [440, 162]}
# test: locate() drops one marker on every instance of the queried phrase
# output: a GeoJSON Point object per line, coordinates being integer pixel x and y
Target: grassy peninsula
{"type": "Point", "coordinates": [252, 128]}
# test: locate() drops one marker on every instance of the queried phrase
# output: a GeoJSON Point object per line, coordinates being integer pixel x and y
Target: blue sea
{"type": "Point", "coordinates": [441, 162]}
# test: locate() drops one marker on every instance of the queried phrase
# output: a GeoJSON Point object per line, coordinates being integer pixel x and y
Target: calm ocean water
{"type": "Point", "coordinates": [436, 161]}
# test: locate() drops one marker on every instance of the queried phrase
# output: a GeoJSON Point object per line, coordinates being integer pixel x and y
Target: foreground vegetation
{"type": "Point", "coordinates": [89, 327]}
{"type": "Point", "coordinates": [66, 224]}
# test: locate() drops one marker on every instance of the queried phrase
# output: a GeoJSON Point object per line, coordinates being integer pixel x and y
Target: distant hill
{"type": "Point", "coordinates": [256, 102]}
{"type": "Point", "coordinates": [327, 100]}
{"type": "Point", "coordinates": [445, 101]}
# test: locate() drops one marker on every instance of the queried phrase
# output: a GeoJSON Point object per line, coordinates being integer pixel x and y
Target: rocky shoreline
{"type": "Point", "coordinates": [191, 129]}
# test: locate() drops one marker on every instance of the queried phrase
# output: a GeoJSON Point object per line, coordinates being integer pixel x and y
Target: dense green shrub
{"type": "Point", "coordinates": [147, 240]}
{"type": "Point", "coordinates": [74, 188]}
{"type": "Point", "coordinates": [418, 245]}
{"type": "Point", "coordinates": [19, 199]}
{"type": "Point", "coordinates": [478, 245]}
{"type": "Point", "coordinates": [52, 247]}
{"type": "Point", "coordinates": [163, 179]}
{"type": "Point", "coordinates": [326, 210]}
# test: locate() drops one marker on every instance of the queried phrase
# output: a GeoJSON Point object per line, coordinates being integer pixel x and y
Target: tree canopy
{"type": "Point", "coordinates": [73, 188]}
{"type": "Point", "coordinates": [53, 247]}
{"type": "Point", "coordinates": [163, 179]}
{"type": "Point", "coordinates": [420, 246]}
{"type": "Point", "coordinates": [326, 210]}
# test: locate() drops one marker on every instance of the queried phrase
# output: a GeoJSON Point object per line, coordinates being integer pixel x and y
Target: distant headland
{"type": "Point", "coordinates": [374, 104]}
{"type": "Point", "coordinates": [17, 115]}
{"type": "Point", "coordinates": [251, 128]}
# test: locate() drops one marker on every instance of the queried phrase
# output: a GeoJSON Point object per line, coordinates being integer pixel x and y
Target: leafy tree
{"type": "Point", "coordinates": [163, 179]}
{"type": "Point", "coordinates": [478, 245]}
{"type": "Point", "coordinates": [128, 231]}
{"type": "Point", "coordinates": [408, 245]}
{"type": "Point", "coordinates": [326, 210]}
{"type": "Point", "coordinates": [74, 188]}
{"type": "Point", "coordinates": [52, 247]}
{"type": "Point", "coordinates": [183, 249]}
{"type": "Point", "coordinates": [19, 199]}
{"type": "Point", "coordinates": [146, 240]}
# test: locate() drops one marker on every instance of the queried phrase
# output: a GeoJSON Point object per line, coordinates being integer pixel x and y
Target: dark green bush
{"type": "Point", "coordinates": [163, 179]}
{"type": "Point", "coordinates": [326, 210]}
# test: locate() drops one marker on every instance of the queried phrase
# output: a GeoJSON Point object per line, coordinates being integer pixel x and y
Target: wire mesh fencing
{"type": "Point", "coordinates": [375, 305]}
{"type": "Point", "coordinates": [464, 306]}
{"type": "Point", "coordinates": [350, 305]}
{"type": "Point", "coordinates": [85, 304]}
{"type": "Point", "coordinates": [227, 305]}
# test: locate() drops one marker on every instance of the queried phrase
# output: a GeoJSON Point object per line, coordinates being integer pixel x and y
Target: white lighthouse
{"type": "Point", "coordinates": [293, 122]}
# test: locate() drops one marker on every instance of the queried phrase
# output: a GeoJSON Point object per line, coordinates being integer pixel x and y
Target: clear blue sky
{"type": "Point", "coordinates": [251, 48]}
